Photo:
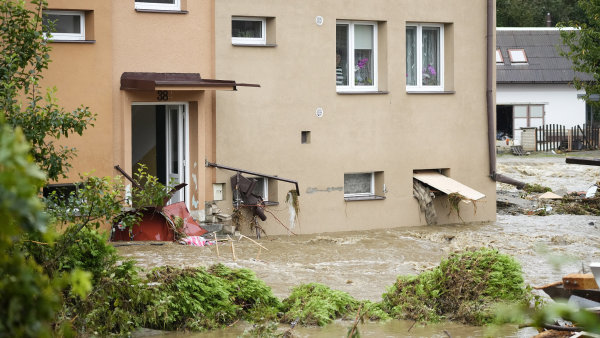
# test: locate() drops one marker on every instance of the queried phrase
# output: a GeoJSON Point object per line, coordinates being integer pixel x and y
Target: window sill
{"type": "Point", "coordinates": [254, 44]}
{"type": "Point", "coordinates": [162, 11]}
{"type": "Point", "coordinates": [431, 92]}
{"type": "Point", "coordinates": [267, 204]}
{"type": "Point", "coordinates": [375, 92]}
{"type": "Point", "coordinates": [72, 41]}
{"type": "Point", "coordinates": [363, 198]}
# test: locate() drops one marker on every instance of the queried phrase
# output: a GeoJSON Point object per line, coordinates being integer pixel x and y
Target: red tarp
{"type": "Point", "coordinates": [155, 226]}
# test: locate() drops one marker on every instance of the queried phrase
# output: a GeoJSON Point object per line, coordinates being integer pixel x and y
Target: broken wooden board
{"type": "Point", "coordinates": [579, 281]}
{"type": "Point", "coordinates": [447, 185]}
{"type": "Point", "coordinates": [549, 195]}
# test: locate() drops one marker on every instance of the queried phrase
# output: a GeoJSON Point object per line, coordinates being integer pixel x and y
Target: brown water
{"type": "Point", "coordinates": [365, 264]}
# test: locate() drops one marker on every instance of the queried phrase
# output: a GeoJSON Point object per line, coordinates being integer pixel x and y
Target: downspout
{"type": "Point", "coordinates": [491, 51]}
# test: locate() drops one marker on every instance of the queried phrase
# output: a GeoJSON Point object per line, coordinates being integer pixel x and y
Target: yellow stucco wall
{"type": "Point", "coordinates": [127, 40]}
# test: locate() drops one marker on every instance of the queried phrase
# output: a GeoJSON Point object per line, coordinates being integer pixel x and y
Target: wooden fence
{"type": "Point", "coordinates": [554, 136]}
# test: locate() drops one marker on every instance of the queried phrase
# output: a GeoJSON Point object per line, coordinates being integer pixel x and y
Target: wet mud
{"type": "Point", "coordinates": [365, 263]}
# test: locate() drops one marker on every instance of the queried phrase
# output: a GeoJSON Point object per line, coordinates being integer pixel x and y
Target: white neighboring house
{"type": "Point", "coordinates": [534, 82]}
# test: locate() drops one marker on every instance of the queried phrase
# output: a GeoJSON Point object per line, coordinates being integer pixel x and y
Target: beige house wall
{"type": "Point", "coordinates": [393, 132]}
{"type": "Point", "coordinates": [127, 40]}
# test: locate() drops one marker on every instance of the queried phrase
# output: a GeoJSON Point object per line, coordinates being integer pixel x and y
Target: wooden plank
{"type": "Point", "coordinates": [447, 185]}
{"type": "Point", "coordinates": [580, 281]}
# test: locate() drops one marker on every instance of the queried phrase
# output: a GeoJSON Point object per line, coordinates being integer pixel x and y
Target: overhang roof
{"type": "Point", "coordinates": [544, 62]}
{"type": "Point", "coordinates": [175, 81]}
{"type": "Point", "coordinates": [447, 185]}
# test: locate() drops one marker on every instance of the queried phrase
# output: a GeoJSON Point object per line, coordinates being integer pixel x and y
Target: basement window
{"type": "Point", "coordinates": [363, 186]}
{"type": "Point", "coordinates": [266, 189]}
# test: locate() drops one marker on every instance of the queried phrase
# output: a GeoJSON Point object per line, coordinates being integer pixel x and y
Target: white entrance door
{"type": "Point", "coordinates": [175, 139]}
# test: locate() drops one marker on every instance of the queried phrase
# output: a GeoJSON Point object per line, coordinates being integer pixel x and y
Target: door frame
{"type": "Point", "coordinates": [186, 140]}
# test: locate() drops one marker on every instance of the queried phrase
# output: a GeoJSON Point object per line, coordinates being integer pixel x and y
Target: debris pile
{"type": "Point", "coordinates": [425, 197]}
{"type": "Point", "coordinates": [217, 221]}
{"type": "Point", "coordinates": [465, 287]}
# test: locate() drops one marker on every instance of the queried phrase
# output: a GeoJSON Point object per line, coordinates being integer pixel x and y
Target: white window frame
{"type": "Point", "coordinates": [251, 41]}
{"type": "Point", "coordinates": [420, 86]}
{"type": "Point", "coordinates": [351, 62]}
{"type": "Point", "coordinates": [265, 183]}
{"type": "Point", "coordinates": [370, 193]}
{"type": "Point", "coordinates": [517, 56]}
{"type": "Point", "coordinates": [499, 56]}
{"type": "Point", "coordinates": [67, 36]}
{"type": "Point", "coordinates": [175, 6]}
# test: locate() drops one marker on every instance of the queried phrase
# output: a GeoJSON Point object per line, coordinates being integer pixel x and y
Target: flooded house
{"type": "Point", "coordinates": [357, 99]}
{"type": "Point", "coordinates": [359, 102]}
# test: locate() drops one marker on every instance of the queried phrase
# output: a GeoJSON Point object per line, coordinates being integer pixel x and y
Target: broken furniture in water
{"type": "Point", "coordinates": [243, 196]}
{"type": "Point", "coordinates": [578, 288]}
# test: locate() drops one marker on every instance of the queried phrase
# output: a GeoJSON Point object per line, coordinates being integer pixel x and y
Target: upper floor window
{"type": "Point", "coordinates": [64, 25]}
{"type": "Point", "coordinates": [424, 57]}
{"type": "Point", "coordinates": [166, 5]}
{"type": "Point", "coordinates": [356, 56]}
{"type": "Point", "coordinates": [248, 31]}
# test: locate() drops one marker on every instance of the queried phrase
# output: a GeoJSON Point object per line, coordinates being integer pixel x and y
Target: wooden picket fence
{"type": "Point", "coordinates": [554, 137]}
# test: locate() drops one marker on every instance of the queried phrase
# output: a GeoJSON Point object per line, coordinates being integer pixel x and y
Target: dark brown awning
{"type": "Point", "coordinates": [175, 81]}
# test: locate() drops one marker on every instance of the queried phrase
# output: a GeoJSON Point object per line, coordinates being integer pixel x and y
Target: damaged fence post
{"type": "Point", "coordinates": [216, 244]}
{"type": "Point", "coordinates": [232, 248]}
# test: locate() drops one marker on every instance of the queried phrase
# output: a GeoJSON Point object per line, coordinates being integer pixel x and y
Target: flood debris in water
{"type": "Point", "coordinates": [425, 197]}
{"type": "Point", "coordinates": [317, 304]}
{"type": "Point", "coordinates": [465, 287]}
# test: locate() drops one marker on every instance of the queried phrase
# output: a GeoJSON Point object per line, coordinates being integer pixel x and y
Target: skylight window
{"type": "Point", "coordinates": [499, 58]}
{"type": "Point", "coordinates": [517, 56]}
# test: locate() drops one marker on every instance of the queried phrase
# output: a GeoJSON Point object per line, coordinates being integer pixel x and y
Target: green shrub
{"type": "Point", "coordinates": [116, 305]}
{"type": "Point", "coordinates": [198, 299]}
{"type": "Point", "coordinates": [465, 287]}
{"type": "Point", "coordinates": [317, 304]}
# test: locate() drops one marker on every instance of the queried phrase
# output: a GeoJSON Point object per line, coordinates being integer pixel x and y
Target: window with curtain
{"type": "Point", "coordinates": [359, 184]}
{"type": "Point", "coordinates": [248, 30]}
{"type": "Point", "coordinates": [424, 57]}
{"type": "Point", "coordinates": [356, 56]}
{"type": "Point", "coordinates": [64, 25]}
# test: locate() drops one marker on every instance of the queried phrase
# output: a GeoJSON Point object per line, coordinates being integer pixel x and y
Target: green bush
{"type": "Point", "coordinates": [317, 304]}
{"type": "Point", "coordinates": [465, 287]}
{"type": "Point", "coordinates": [117, 304]}
{"type": "Point", "coordinates": [198, 299]}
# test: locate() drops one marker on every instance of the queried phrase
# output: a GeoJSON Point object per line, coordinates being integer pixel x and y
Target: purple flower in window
{"type": "Point", "coordinates": [431, 70]}
{"type": "Point", "coordinates": [362, 63]}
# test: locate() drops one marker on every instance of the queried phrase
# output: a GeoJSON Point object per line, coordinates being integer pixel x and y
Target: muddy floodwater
{"type": "Point", "coordinates": [365, 264]}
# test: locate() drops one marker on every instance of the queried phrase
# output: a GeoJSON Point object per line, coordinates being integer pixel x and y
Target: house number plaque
{"type": "Point", "coordinates": [162, 95]}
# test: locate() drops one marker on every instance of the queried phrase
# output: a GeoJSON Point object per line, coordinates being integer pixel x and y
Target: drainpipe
{"type": "Point", "coordinates": [491, 51]}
